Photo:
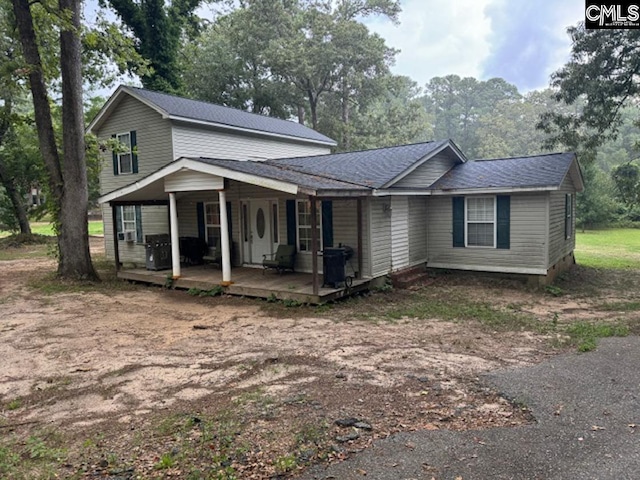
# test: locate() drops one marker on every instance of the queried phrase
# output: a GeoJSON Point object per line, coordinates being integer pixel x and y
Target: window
{"type": "Point", "coordinates": [129, 218]}
{"type": "Point", "coordinates": [304, 226]}
{"type": "Point", "coordinates": [212, 223]}
{"type": "Point", "coordinates": [124, 154]}
{"type": "Point", "coordinates": [568, 212]}
{"type": "Point", "coordinates": [480, 221]}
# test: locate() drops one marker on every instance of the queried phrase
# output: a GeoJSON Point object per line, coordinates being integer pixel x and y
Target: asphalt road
{"type": "Point", "coordinates": [586, 406]}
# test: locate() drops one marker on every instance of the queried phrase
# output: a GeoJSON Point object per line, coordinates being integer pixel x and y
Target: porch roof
{"type": "Point", "coordinates": [212, 172]}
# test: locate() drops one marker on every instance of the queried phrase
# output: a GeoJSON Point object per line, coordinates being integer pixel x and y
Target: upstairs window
{"type": "Point", "coordinates": [125, 164]}
{"type": "Point", "coordinates": [125, 158]}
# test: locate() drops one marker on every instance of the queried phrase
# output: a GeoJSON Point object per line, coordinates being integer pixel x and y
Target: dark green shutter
{"type": "Point", "coordinates": [327, 223]}
{"type": "Point", "coordinates": [134, 150]}
{"type": "Point", "coordinates": [202, 232]}
{"type": "Point", "coordinates": [119, 222]}
{"type": "Point", "coordinates": [457, 204]}
{"type": "Point", "coordinates": [114, 156]}
{"type": "Point", "coordinates": [504, 221]}
{"type": "Point", "coordinates": [291, 222]}
{"type": "Point", "coordinates": [138, 224]}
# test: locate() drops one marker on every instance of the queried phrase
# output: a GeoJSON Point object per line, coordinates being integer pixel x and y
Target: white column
{"type": "Point", "coordinates": [175, 236]}
{"type": "Point", "coordinates": [224, 240]}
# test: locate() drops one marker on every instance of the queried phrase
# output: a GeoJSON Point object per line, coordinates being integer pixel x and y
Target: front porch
{"type": "Point", "coordinates": [249, 282]}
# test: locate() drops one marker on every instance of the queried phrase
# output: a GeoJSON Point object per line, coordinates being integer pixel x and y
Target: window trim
{"type": "Point", "coordinates": [494, 221]}
{"type": "Point", "coordinates": [212, 225]}
{"type": "Point", "coordinates": [119, 153]}
{"type": "Point", "coordinates": [319, 229]}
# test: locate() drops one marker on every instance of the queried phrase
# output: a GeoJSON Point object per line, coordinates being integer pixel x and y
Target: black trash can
{"type": "Point", "coordinates": [333, 266]}
{"type": "Point", "coordinates": [158, 252]}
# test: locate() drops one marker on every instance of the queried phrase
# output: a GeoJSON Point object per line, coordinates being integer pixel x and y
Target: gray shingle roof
{"type": "Point", "coordinates": [266, 170]}
{"type": "Point", "coordinates": [367, 168]}
{"type": "Point", "coordinates": [520, 172]}
{"type": "Point", "coordinates": [209, 112]}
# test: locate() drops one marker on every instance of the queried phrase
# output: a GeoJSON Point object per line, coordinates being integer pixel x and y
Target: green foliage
{"type": "Point", "coordinates": [627, 181]}
{"type": "Point", "coordinates": [285, 463]}
{"type": "Point", "coordinates": [554, 290]}
{"type": "Point", "coordinates": [457, 104]}
{"type": "Point", "coordinates": [213, 292]}
{"type": "Point", "coordinates": [166, 461]}
{"type": "Point", "coordinates": [603, 71]}
{"type": "Point", "coordinates": [584, 335]}
{"type": "Point", "coordinates": [596, 206]}
{"type": "Point", "coordinates": [157, 27]}
{"type": "Point", "coordinates": [609, 249]}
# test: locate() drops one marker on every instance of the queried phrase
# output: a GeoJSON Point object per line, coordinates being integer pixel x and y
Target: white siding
{"type": "Point", "coordinates": [429, 171]}
{"type": "Point", "coordinates": [417, 230]}
{"type": "Point", "coordinates": [380, 228]}
{"type": "Point", "coordinates": [153, 136]}
{"type": "Point", "coordinates": [558, 245]}
{"type": "Point", "coordinates": [190, 181]}
{"type": "Point", "coordinates": [190, 141]}
{"type": "Point", "coordinates": [399, 233]}
{"type": "Point", "coordinates": [155, 220]}
{"type": "Point", "coordinates": [528, 237]}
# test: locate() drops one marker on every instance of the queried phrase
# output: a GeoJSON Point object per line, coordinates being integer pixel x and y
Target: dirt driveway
{"type": "Point", "coordinates": [129, 381]}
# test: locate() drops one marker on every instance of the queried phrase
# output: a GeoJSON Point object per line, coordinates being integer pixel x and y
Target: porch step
{"type": "Point", "coordinates": [411, 278]}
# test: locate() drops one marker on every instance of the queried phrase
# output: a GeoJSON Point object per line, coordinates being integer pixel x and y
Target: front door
{"type": "Point", "coordinates": [260, 233]}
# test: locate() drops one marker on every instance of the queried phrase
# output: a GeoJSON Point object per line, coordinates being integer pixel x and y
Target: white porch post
{"type": "Point", "coordinates": [224, 240]}
{"type": "Point", "coordinates": [175, 236]}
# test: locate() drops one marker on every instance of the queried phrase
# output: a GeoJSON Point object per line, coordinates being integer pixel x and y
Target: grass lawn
{"type": "Point", "coordinates": [46, 228]}
{"type": "Point", "coordinates": [615, 248]}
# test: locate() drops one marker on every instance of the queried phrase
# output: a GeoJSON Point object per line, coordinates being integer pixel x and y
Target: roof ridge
{"type": "Point", "coordinates": [520, 157]}
{"type": "Point", "coordinates": [357, 151]}
{"type": "Point", "coordinates": [173, 95]}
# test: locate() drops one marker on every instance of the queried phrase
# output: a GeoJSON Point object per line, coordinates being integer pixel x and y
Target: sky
{"type": "Point", "coordinates": [522, 41]}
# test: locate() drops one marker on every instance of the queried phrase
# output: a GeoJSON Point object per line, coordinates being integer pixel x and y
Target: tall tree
{"type": "Point", "coordinates": [457, 104]}
{"type": "Point", "coordinates": [604, 70]}
{"type": "Point", "coordinates": [67, 176]}
{"type": "Point", "coordinates": [158, 27]}
{"type": "Point", "coordinates": [9, 90]}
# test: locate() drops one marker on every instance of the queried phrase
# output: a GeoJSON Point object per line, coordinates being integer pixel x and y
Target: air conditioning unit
{"type": "Point", "coordinates": [129, 236]}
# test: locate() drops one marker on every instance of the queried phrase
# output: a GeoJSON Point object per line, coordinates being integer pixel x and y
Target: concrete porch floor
{"type": "Point", "coordinates": [249, 282]}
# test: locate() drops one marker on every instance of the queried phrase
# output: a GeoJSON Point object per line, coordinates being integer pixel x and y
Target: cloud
{"type": "Point", "coordinates": [438, 38]}
{"type": "Point", "coordinates": [529, 40]}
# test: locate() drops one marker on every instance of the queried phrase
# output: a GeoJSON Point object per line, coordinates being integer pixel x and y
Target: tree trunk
{"type": "Point", "coordinates": [17, 202]}
{"type": "Point", "coordinates": [75, 259]}
{"type": "Point", "coordinates": [313, 107]}
{"type": "Point", "coordinates": [346, 137]}
{"type": "Point", "coordinates": [301, 114]}
{"type": "Point", "coordinates": [69, 191]}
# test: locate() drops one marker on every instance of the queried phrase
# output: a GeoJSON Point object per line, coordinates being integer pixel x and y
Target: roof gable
{"type": "Point", "coordinates": [543, 172]}
{"type": "Point", "coordinates": [204, 113]}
